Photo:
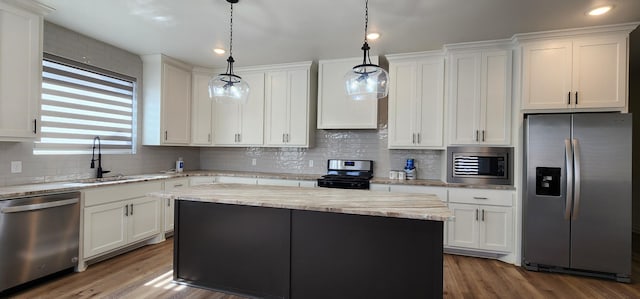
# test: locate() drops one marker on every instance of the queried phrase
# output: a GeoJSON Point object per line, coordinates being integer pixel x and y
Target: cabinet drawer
{"type": "Point", "coordinates": [201, 180]}
{"type": "Point", "coordinates": [195, 181]}
{"type": "Point", "coordinates": [119, 192]}
{"type": "Point", "coordinates": [308, 184]}
{"type": "Point", "coordinates": [379, 187]}
{"type": "Point", "coordinates": [236, 180]}
{"type": "Point", "coordinates": [176, 184]}
{"type": "Point", "coordinates": [440, 192]}
{"type": "Point", "coordinates": [481, 196]}
{"type": "Point", "coordinates": [278, 182]}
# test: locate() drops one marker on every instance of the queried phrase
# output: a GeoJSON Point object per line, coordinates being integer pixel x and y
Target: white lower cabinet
{"type": "Point", "coordinates": [117, 216]}
{"type": "Point", "coordinates": [169, 203]}
{"type": "Point", "coordinates": [483, 220]}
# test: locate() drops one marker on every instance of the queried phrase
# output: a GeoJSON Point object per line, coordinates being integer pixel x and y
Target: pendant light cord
{"type": "Point", "coordinates": [231, 33]}
{"type": "Point", "coordinates": [366, 19]}
{"type": "Point", "coordinates": [230, 59]}
{"type": "Point", "coordinates": [365, 46]}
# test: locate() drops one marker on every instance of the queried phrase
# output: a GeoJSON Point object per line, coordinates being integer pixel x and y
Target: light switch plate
{"type": "Point", "coordinates": [16, 166]}
{"type": "Point", "coordinates": [253, 161]}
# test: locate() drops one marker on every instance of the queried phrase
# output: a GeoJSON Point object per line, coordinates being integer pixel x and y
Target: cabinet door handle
{"type": "Point", "coordinates": [482, 214]}
{"type": "Point", "coordinates": [287, 137]}
{"type": "Point", "coordinates": [477, 135]}
{"type": "Point", "coordinates": [131, 210]}
{"type": "Point", "coordinates": [35, 126]}
{"type": "Point", "coordinates": [282, 137]}
{"type": "Point", "coordinates": [576, 98]}
{"type": "Point", "coordinates": [239, 137]}
{"type": "Point", "coordinates": [476, 214]}
{"type": "Point", "coordinates": [419, 138]}
{"type": "Point", "coordinates": [569, 98]}
{"type": "Point", "coordinates": [482, 135]}
{"type": "Point", "coordinates": [126, 210]}
{"type": "Point", "coordinates": [165, 135]}
{"type": "Point", "coordinates": [177, 185]}
{"type": "Point", "coordinates": [479, 197]}
{"type": "Point", "coordinates": [168, 202]}
{"type": "Point", "coordinates": [413, 138]}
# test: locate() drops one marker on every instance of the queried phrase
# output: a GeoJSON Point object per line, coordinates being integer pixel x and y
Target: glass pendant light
{"type": "Point", "coordinates": [366, 80]}
{"type": "Point", "coordinates": [229, 87]}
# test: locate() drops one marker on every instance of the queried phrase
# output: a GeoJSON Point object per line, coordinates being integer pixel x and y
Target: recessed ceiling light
{"type": "Point", "coordinates": [373, 36]}
{"type": "Point", "coordinates": [600, 10]}
{"type": "Point", "coordinates": [219, 51]}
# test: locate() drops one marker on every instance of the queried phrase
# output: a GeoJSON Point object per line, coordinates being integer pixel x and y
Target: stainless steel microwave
{"type": "Point", "coordinates": [480, 165]}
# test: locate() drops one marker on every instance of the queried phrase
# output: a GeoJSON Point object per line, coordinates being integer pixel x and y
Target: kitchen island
{"type": "Point", "coordinates": [288, 242]}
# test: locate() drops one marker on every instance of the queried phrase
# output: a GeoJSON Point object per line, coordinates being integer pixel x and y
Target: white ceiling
{"type": "Point", "coordinates": [277, 31]}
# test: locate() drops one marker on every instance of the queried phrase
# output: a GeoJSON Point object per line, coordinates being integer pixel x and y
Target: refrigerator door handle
{"type": "Point", "coordinates": [569, 170]}
{"type": "Point", "coordinates": [576, 158]}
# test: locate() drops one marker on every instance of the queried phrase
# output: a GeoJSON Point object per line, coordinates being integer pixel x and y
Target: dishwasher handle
{"type": "Point", "coordinates": [39, 206]}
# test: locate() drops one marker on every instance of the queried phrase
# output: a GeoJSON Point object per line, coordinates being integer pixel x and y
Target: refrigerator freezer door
{"type": "Point", "coordinates": [601, 231]}
{"type": "Point", "coordinates": [547, 232]}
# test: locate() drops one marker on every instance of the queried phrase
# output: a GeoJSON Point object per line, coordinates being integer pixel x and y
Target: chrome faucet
{"type": "Point", "coordinates": [93, 159]}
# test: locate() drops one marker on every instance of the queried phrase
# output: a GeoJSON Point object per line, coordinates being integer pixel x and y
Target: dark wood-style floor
{"type": "Point", "coordinates": [146, 273]}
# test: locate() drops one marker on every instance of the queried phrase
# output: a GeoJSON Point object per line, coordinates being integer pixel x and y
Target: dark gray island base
{"type": "Point", "coordinates": [269, 252]}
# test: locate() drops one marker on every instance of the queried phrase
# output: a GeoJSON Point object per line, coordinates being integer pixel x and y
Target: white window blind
{"type": "Point", "coordinates": [80, 102]}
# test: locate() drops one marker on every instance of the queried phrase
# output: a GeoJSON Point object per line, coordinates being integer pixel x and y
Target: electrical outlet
{"type": "Point", "coordinates": [310, 163]}
{"type": "Point", "coordinates": [253, 161]}
{"type": "Point", "coordinates": [16, 166]}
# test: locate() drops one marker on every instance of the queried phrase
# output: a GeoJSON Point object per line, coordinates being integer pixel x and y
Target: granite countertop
{"type": "Point", "coordinates": [76, 185]}
{"type": "Point", "coordinates": [359, 202]}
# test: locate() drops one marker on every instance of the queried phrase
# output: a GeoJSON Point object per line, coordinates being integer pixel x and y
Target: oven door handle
{"type": "Point", "coordinates": [39, 206]}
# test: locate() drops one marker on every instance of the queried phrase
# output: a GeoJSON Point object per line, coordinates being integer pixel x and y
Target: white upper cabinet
{"type": "Point", "coordinates": [480, 96]}
{"type": "Point", "coordinates": [335, 109]}
{"type": "Point", "coordinates": [280, 111]}
{"type": "Point", "coordinates": [201, 109]}
{"type": "Point", "coordinates": [586, 71]}
{"type": "Point", "coordinates": [167, 101]}
{"type": "Point", "coordinates": [416, 99]}
{"type": "Point", "coordinates": [20, 70]}
{"type": "Point", "coordinates": [241, 124]}
{"type": "Point", "coordinates": [288, 107]}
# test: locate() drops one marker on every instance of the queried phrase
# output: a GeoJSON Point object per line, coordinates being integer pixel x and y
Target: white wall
{"type": "Point", "coordinates": [38, 169]}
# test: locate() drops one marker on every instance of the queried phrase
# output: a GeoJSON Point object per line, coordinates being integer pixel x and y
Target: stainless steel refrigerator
{"type": "Point", "coordinates": [577, 197]}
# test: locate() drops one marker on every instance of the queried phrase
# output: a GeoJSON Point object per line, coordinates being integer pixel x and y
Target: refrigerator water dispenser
{"type": "Point", "coordinates": [548, 181]}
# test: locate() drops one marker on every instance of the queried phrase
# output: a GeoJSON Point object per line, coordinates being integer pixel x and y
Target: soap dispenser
{"type": "Point", "coordinates": [410, 169]}
{"type": "Point", "coordinates": [179, 165]}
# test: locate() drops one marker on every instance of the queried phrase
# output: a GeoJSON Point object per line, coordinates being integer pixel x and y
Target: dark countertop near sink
{"type": "Point", "coordinates": [8, 192]}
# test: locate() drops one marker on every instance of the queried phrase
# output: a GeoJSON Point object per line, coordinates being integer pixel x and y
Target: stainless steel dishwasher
{"type": "Point", "coordinates": [38, 236]}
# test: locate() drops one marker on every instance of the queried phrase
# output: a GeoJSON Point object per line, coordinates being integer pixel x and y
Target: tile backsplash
{"type": "Point", "coordinates": [329, 144]}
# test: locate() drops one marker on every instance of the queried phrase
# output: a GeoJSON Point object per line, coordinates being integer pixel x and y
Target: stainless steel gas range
{"type": "Point", "coordinates": [347, 174]}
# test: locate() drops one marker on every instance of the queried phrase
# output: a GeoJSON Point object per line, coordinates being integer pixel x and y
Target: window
{"type": "Point", "coordinates": [80, 102]}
